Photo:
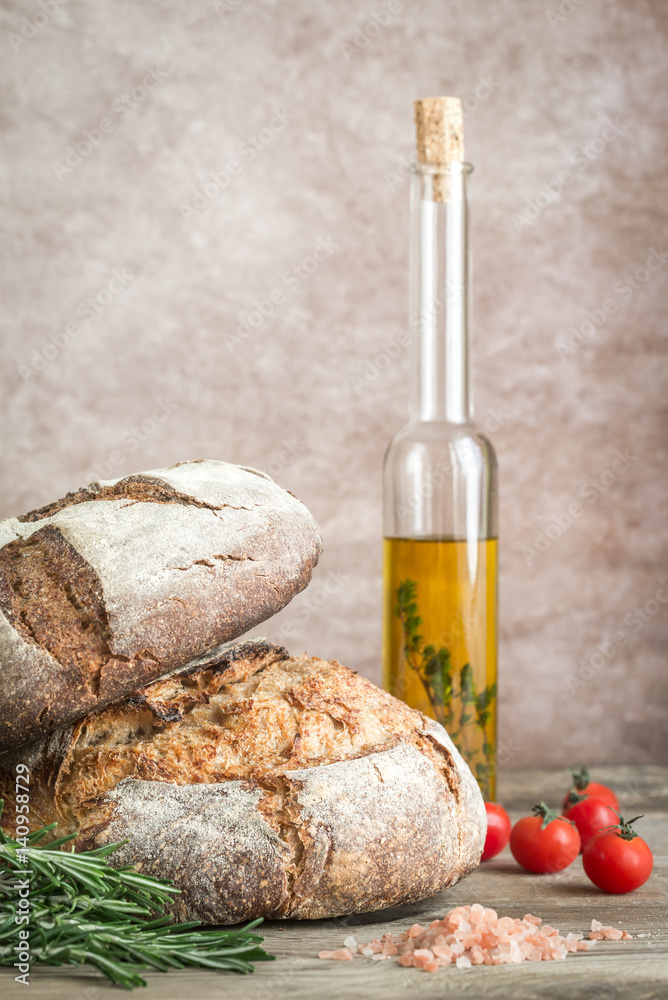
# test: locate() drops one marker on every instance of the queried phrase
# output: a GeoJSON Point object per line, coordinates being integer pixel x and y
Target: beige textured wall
{"type": "Point", "coordinates": [312, 102]}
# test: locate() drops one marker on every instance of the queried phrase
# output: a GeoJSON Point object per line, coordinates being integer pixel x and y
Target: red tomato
{"type": "Point", "coordinates": [590, 815]}
{"type": "Point", "coordinates": [618, 860]}
{"type": "Point", "coordinates": [583, 786]}
{"type": "Point", "coordinates": [544, 842]}
{"type": "Point", "coordinates": [498, 830]}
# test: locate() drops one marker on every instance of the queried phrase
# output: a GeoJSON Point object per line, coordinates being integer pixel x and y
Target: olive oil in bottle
{"type": "Point", "coordinates": [439, 480]}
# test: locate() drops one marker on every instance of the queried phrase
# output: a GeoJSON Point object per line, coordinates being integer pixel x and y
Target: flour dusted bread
{"type": "Point", "coordinates": [125, 580]}
{"type": "Point", "coordinates": [264, 785]}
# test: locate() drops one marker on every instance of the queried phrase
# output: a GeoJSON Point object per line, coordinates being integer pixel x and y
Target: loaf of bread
{"type": "Point", "coordinates": [125, 580]}
{"type": "Point", "coordinates": [264, 785]}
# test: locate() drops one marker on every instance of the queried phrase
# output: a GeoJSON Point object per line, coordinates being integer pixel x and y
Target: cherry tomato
{"type": "Point", "coordinates": [544, 842]}
{"type": "Point", "coordinates": [618, 860]}
{"type": "Point", "coordinates": [583, 786]}
{"type": "Point", "coordinates": [498, 830]}
{"type": "Point", "coordinates": [590, 815]}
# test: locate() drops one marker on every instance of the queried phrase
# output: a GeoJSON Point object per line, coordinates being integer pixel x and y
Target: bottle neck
{"type": "Point", "coordinates": [439, 294]}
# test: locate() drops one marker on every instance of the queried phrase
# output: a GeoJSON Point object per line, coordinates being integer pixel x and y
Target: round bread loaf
{"type": "Point", "coordinates": [125, 580]}
{"type": "Point", "coordinates": [264, 786]}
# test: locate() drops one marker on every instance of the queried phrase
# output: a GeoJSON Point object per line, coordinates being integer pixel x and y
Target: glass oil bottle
{"type": "Point", "coordinates": [439, 480]}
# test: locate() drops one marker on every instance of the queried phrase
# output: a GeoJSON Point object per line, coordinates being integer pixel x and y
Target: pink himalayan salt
{"type": "Point", "coordinates": [601, 933]}
{"type": "Point", "coordinates": [476, 935]}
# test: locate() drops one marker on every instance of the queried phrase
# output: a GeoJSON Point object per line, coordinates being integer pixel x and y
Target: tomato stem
{"type": "Point", "coordinates": [541, 809]}
{"type": "Point", "coordinates": [624, 829]}
{"type": "Point", "coordinates": [581, 778]}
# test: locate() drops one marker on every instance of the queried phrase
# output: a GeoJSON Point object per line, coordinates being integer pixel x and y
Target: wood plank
{"type": "Point", "coordinates": [635, 969]}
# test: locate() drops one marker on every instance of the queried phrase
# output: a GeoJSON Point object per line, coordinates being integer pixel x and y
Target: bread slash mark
{"type": "Point", "coordinates": [207, 562]}
{"type": "Point", "coordinates": [137, 489]}
{"type": "Point", "coordinates": [53, 598]}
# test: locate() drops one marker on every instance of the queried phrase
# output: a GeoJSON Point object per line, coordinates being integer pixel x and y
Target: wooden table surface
{"type": "Point", "coordinates": [614, 970]}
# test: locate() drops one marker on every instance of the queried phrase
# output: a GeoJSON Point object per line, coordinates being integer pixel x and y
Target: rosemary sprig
{"type": "Point", "coordinates": [81, 910]}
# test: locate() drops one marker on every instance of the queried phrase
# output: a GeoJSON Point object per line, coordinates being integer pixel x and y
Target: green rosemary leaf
{"type": "Point", "coordinates": [83, 911]}
{"type": "Point", "coordinates": [466, 684]}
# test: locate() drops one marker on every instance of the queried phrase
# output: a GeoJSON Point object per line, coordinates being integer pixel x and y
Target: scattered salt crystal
{"type": "Point", "coordinates": [475, 935]}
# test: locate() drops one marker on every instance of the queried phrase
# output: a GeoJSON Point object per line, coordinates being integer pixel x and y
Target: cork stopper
{"type": "Point", "coordinates": [440, 137]}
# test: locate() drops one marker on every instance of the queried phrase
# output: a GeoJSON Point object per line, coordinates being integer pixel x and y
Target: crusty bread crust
{"type": "Point", "coordinates": [123, 581]}
{"type": "Point", "coordinates": [265, 785]}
